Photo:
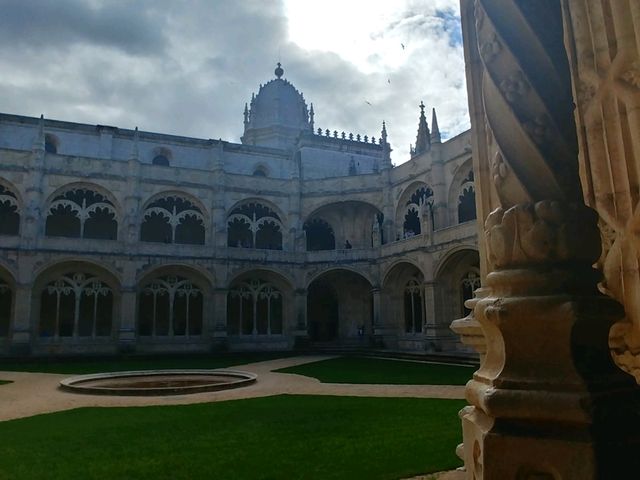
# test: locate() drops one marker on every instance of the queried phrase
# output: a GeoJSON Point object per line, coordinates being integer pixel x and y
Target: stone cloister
{"type": "Point", "coordinates": [115, 240]}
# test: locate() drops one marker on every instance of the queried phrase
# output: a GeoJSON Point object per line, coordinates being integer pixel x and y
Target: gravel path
{"type": "Point", "coordinates": [36, 393]}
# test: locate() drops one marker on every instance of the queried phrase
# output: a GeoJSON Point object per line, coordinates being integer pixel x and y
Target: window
{"type": "Point", "coordinates": [254, 225]}
{"type": "Point", "coordinates": [467, 200]}
{"type": "Point", "coordinates": [470, 283]}
{"type": "Point", "coordinates": [255, 308]}
{"type": "Point", "coordinates": [419, 204]}
{"type": "Point", "coordinates": [76, 305]}
{"type": "Point", "coordinates": [319, 235]}
{"type": "Point", "coordinates": [9, 216]}
{"type": "Point", "coordinates": [170, 306]}
{"type": "Point", "coordinates": [259, 172]}
{"type": "Point", "coordinates": [160, 160]}
{"type": "Point", "coordinates": [413, 307]}
{"type": "Point", "coordinates": [81, 213]}
{"type": "Point", "coordinates": [173, 219]}
{"type": "Point", "coordinates": [50, 143]}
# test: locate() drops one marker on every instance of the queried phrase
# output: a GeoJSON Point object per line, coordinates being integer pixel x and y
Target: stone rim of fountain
{"type": "Point", "coordinates": [78, 383]}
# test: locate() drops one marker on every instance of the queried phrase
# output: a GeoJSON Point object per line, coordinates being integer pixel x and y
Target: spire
{"type": "Point", "coordinates": [386, 149]}
{"type": "Point", "coordinates": [383, 134]}
{"type": "Point", "coordinates": [435, 131]}
{"type": "Point", "coordinates": [311, 115]}
{"type": "Point", "coordinates": [246, 115]}
{"type": "Point", "coordinates": [423, 140]}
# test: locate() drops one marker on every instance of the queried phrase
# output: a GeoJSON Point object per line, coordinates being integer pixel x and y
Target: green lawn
{"type": "Point", "coordinates": [381, 371]}
{"type": "Point", "coordinates": [4, 382]}
{"type": "Point", "coordinates": [282, 437]}
{"type": "Point", "coordinates": [82, 366]}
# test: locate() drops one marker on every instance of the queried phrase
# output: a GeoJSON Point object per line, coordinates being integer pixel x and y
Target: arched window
{"type": "Point", "coordinates": [173, 219]}
{"type": "Point", "coordinates": [413, 306]}
{"type": "Point", "coordinates": [76, 305]}
{"type": "Point", "coordinates": [470, 283]}
{"type": "Point", "coordinates": [319, 235]}
{"type": "Point", "coordinates": [467, 200]}
{"type": "Point", "coordinates": [6, 299]}
{"type": "Point", "coordinates": [254, 308]}
{"type": "Point", "coordinates": [9, 216]}
{"type": "Point", "coordinates": [420, 203]}
{"type": "Point", "coordinates": [81, 213]}
{"type": "Point", "coordinates": [51, 143]}
{"type": "Point", "coordinates": [259, 172]}
{"type": "Point", "coordinates": [161, 160]}
{"type": "Point", "coordinates": [170, 306]}
{"type": "Point", "coordinates": [253, 225]}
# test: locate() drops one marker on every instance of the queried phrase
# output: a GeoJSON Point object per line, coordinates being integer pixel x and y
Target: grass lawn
{"type": "Point", "coordinates": [381, 371]}
{"type": "Point", "coordinates": [82, 366]}
{"type": "Point", "coordinates": [281, 437]}
{"type": "Point", "coordinates": [4, 382]}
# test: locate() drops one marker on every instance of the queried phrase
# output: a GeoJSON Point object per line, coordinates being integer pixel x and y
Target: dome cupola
{"type": "Point", "coordinates": [276, 115]}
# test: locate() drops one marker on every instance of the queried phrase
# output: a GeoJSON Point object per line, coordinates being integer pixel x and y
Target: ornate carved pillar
{"type": "Point", "coordinates": [604, 54]}
{"type": "Point", "coordinates": [547, 401]}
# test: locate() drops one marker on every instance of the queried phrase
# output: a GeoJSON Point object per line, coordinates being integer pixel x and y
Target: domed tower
{"type": "Point", "coordinates": [276, 116]}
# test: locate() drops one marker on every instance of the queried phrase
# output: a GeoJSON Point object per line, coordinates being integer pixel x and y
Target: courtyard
{"type": "Point", "coordinates": [286, 425]}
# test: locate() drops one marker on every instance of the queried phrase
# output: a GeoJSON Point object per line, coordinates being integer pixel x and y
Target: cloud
{"type": "Point", "coordinates": [188, 68]}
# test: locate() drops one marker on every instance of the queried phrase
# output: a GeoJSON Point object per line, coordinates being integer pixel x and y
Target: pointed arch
{"type": "Point", "coordinates": [414, 203]}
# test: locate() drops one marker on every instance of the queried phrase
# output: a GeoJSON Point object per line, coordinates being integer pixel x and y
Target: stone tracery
{"type": "Point", "coordinates": [9, 212]}
{"type": "Point", "coordinates": [255, 308]}
{"type": "Point", "coordinates": [173, 219]}
{"type": "Point", "coordinates": [254, 225]}
{"type": "Point", "coordinates": [82, 213]}
{"type": "Point", "coordinates": [170, 305]}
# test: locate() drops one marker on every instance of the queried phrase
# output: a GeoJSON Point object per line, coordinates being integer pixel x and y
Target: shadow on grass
{"type": "Point", "coordinates": [281, 437]}
{"type": "Point", "coordinates": [382, 371]}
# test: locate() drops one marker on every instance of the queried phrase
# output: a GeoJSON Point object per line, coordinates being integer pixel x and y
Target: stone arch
{"type": "Point", "coordinates": [161, 156]}
{"type": "Point", "coordinates": [82, 210]}
{"type": "Point", "coordinates": [259, 303]}
{"type": "Point", "coordinates": [172, 301]}
{"type": "Point", "coordinates": [404, 294]}
{"type": "Point", "coordinates": [414, 210]}
{"type": "Point", "coordinates": [261, 170]}
{"type": "Point", "coordinates": [174, 217]}
{"type": "Point", "coordinates": [339, 305]}
{"type": "Point", "coordinates": [454, 283]}
{"type": "Point", "coordinates": [7, 300]}
{"type": "Point", "coordinates": [462, 194]}
{"type": "Point", "coordinates": [11, 208]}
{"type": "Point", "coordinates": [389, 269]}
{"type": "Point", "coordinates": [255, 224]}
{"type": "Point", "coordinates": [354, 222]}
{"type": "Point", "coordinates": [75, 299]}
{"type": "Point", "coordinates": [319, 235]}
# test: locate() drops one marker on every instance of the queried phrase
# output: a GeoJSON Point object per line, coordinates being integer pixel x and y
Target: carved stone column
{"type": "Point", "coordinates": [604, 53]}
{"type": "Point", "coordinates": [547, 401]}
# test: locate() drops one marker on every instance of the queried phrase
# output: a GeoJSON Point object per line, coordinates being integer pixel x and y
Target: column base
{"type": "Point", "coordinates": [127, 341]}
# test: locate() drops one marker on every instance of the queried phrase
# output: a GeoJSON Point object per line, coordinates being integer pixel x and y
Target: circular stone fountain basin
{"type": "Point", "coordinates": [158, 382]}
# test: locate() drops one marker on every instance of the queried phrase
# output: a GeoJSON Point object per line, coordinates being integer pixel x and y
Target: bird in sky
{"type": "Point", "coordinates": [368, 103]}
{"type": "Point", "coordinates": [402, 45]}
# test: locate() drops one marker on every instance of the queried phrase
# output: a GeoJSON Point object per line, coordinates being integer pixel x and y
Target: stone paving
{"type": "Point", "coordinates": [36, 393]}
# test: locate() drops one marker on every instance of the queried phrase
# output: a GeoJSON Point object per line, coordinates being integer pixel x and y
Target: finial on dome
{"type": "Point", "coordinates": [279, 71]}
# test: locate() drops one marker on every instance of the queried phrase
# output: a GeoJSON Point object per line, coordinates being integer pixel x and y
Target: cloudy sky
{"type": "Point", "coordinates": [188, 67]}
